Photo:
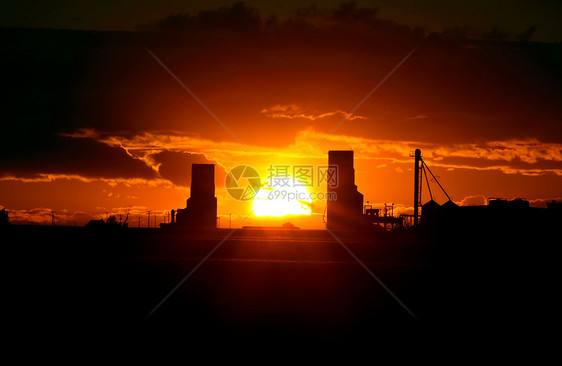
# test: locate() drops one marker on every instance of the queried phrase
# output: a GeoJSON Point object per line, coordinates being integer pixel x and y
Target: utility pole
{"type": "Point", "coordinates": [139, 221]}
{"type": "Point", "coordinates": [417, 185]}
{"type": "Point", "coordinates": [52, 218]}
{"type": "Point", "coordinates": [148, 221]}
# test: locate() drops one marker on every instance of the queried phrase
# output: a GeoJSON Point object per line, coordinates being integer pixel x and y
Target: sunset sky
{"type": "Point", "coordinates": [94, 123]}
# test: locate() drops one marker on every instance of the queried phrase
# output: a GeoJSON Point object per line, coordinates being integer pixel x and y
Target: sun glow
{"type": "Point", "coordinates": [281, 201]}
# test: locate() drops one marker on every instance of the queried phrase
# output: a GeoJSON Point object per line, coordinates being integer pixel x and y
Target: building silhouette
{"type": "Point", "coordinates": [201, 207]}
{"type": "Point", "coordinates": [4, 219]}
{"type": "Point", "coordinates": [345, 212]}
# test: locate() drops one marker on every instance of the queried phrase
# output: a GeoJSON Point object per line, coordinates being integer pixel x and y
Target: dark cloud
{"type": "Point", "coordinates": [68, 156]}
{"type": "Point", "coordinates": [350, 12]}
{"type": "Point", "coordinates": [175, 166]}
{"type": "Point", "coordinates": [512, 15]}
{"type": "Point", "coordinates": [495, 34]}
{"type": "Point", "coordinates": [348, 20]}
{"type": "Point", "coordinates": [325, 59]}
{"type": "Point", "coordinates": [516, 165]}
{"type": "Point", "coordinates": [238, 18]}
{"type": "Point", "coordinates": [526, 34]}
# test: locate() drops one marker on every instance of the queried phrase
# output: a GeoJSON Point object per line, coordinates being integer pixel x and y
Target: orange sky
{"type": "Point", "coordinates": [93, 124]}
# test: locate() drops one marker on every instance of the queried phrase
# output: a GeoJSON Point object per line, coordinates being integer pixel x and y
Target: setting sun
{"type": "Point", "coordinates": [281, 201]}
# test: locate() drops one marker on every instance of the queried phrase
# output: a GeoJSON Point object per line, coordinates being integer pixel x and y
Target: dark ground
{"type": "Point", "coordinates": [268, 285]}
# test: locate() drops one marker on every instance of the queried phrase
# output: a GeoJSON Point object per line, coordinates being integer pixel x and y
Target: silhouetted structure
{"type": "Point", "coordinates": [201, 207]}
{"type": "Point", "coordinates": [554, 207]}
{"type": "Point", "coordinates": [417, 185]}
{"type": "Point", "coordinates": [4, 219]}
{"type": "Point", "coordinates": [95, 223]}
{"type": "Point", "coordinates": [346, 211]}
{"type": "Point", "coordinates": [372, 216]}
{"type": "Point", "coordinates": [498, 215]}
{"type": "Point", "coordinates": [429, 212]}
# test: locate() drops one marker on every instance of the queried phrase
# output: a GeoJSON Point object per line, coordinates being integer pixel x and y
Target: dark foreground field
{"type": "Point", "coordinates": [273, 284]}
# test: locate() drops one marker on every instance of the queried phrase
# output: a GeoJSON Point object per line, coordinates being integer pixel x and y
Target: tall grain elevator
{"type": "Point", "coordinates": [201, 207]}
{"type": "Point", "coordinates": [345, 209]}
